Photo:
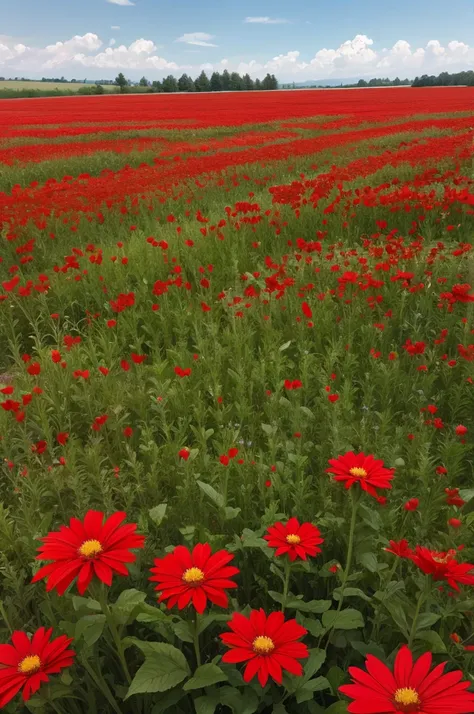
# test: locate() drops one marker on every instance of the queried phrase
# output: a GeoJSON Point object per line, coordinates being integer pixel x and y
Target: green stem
{"type": "Point", "coordinates": [101, 684]}
{"type": "Point", "coordinates": [420, 602]}
{"type": "Point", "coordinates": [114, 632]}
{"type": "Point", "coordinates": [286, 584]}
{"type": "Point", "coordinates": [347, 569]}
{"type": "Point", "coordinates": [197, 649]}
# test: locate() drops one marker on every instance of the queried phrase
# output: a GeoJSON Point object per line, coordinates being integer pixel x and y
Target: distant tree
{"type": "Point", "coordinates": [170, 84]}
{"type": "Point", "coordinates": [186, 84]}
{"type": "Point", "coordinates": [202, 83]}
{"type": "Point", "coordinates": [236, 84]}
{"type": "Point", "coordinates": [362, 83]}
{"type": "Point", "coordinates": [248, 83]}
{"type": "Point", "coordinates": [157, 86]}
{"type": "Point", "coordinates": [396, 82]}
{"type": "Point", "coordinates": [258, 84]}
{"type": "Point", "coordinates": [216, 83]}
{"type": "Point", "coordinates": [225, 80]}
{"type": "Point", "coordinates": [73, 81]}
{"type": "Point", "coordinates": [144, 82]}
{"type": "Point", "coordinates": [98, 89]}
{"type": "Point", "coordinates": [267, 82]}
{"type": "Point", "coordinates": [122, 82]}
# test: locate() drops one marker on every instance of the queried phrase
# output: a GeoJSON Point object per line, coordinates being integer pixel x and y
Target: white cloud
{"type": "Point", "coordinates": [266, 21]}
{"type": "Point", "coordinates": [115, 27]}
{"type": "Point", "coordinates": [197, 38]}
{"type": "Point", "coordinates": [358, 57]}
{"type": "Point", "coordinates": [112, 42]}
{"type": "Point", "coordinates": [121, 2]}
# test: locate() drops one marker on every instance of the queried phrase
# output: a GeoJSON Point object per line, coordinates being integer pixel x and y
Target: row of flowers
{"type": "Point", "coordinates": [268, 644]}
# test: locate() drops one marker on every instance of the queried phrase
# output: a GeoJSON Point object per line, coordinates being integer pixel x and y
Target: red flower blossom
{"type": "Point", "coordinates": [296, 540]}
{"type": "Point", "coordinates": [455, 523]}
{"type": "Point", "coordinates": [453, 498]}
{"type": "Point", "coordinates": [26, 663]}
{"type": "Point", "coordinates": [412, 504]}
{"type": "Point", "coordinates": [368, 472]}
{"type": "Point", "coordinates": [62, 437]}
{"type": "Point", "coordinates": [400, 548]}
{"type": "Point", "coordinates": [184, 453]}
{"type": "Point", "coordinates": [443, 566]}
{"type": "Point", "coordinates": [87, 548]}
{"type": "Point", "coordinates": [295, 384]}
{"type": "Point", "coordinates": [34, 369]}
{"type": "Point", "coordinates": [196, 577]}
{"type": "Point", "coordinates": [461, 430]}
{"type": "Point", "coordinates": [411, 687]}
{"type": "Point", "coordinates": [269, 645]}
{"type": "Point", "coordinates": [128, 432]}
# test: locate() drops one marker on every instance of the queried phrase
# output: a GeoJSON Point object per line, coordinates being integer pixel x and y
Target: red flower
{"type": "Point", "coordinates": [128, 432]}
{"type": "Point", "coordinates": [56, 356]}
{"type": "Point", "coordinates": [27, 662]}
{"type": "Point", "coordinates": [62, 437]}
{"type": "Point", "coordinates": [412, 504]}
{"type": "Point", "coordinates": [35, 368]}
{"type": "Point", "coordinates": [455, 523]}
{"type": "Point", "coordinates": [185, 577]}
{"type": "Point", "coordinates": [137, 359]}
{"type": "Point", "coordinates": [400, 548]}
{"type": "Point", "coordinates": [87, 548]}
{"type": "Point", "coordinates": [461, 430]}
{"type": "Point", "coordinates": [411, 688]}
{"type": "Point", "coordinates": [295, 539]}
{"type": "Point", "coordinates": [453, 498]}
{"type": "Point", "coordinates": [368, 472]}
{"type": "Point", "coordinates": [443, 566]}
{"type": "Point", "coordinates": [441, 470]}
{"type": "Point", "coordinates": [333, 398]}
{"type": "Point", "coordinates": [269, 645]}
{"type": "Point", "coordinates": [184, 453]}
{"type": "Point", "coordinates": [295, 384]}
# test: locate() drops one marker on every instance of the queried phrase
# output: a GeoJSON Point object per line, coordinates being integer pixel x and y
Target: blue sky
{"type": "Point", "coordinates": [307, 39]}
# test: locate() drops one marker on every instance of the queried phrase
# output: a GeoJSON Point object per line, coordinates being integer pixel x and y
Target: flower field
{"type": "Point", "coordinates": [237, 403]}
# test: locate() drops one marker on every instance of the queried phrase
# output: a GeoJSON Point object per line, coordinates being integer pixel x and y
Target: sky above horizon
{"type": "Point", "coordinates": [304, 40]}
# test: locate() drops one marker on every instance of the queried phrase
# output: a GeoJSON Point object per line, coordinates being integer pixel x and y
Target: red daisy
{"type": "Point", "coordinates": [411, 688]}
{"type": "Point", "coordinates": [183, 577]}
{"type": "Point", "coordinates": [295, 539]}
{"type": "Point", "coordinates": [269, 645]}
{"type": "Point", "coordinates": [443, 566]}
{"type": "Point", "coordinates": [87, 548]}
{"type": "Point", "coordinates": [368, 472]}
{"type": "Point", "coordinates": [26, 663]}
{"type": "Point", "coordinates": [400, 548]}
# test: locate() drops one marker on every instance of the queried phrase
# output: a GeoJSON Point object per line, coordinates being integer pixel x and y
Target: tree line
{"type": "Point", "coordinates": [445, 79]}
{"type": "Point", "coordinates": [225, 82]}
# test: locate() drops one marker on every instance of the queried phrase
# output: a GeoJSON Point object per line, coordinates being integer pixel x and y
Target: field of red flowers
{"type": "Point", "coordinates": [237, 403]}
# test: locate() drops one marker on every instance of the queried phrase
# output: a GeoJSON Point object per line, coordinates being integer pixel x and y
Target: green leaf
{"type": "Point", "coordinates": [284, 347]}
{"type": "Point", "coordinates": [348, 619]}
{"type": "Point", "coordinates": [426, 620]}
{"type": "Point", "coordinates": [315, 661]}
{"type": "Point", "coordinates": [211, 493]}
{"type": "Point", "coordinates": [315, 606]}
{"type": "Point", "coordinates": [369, 561]}
{"type": "Point", "coordinates": [148, 613]}
{"type": "Point", "coordinates": [305, 693]}
{"type": "Point", "coordinates": [163, 669]}
{"type": "Point", "coordinates": [432, 638]}
{"type": "Point", "coordinates": [280, 709]}
{"type": "Point", "coordinates": [158, 513]}
{"type": "Point", "coordinates": [245, 703]}
{"type": "Point", "coordinates": [350, 592]}
{"type": "Point", "coordinates": [205, 676]}
{"type": "Point", "coordinates": [85, 602]}
{"type": "Point", "coordinates": [207, 705]}
{"type": "Point", "coordinates": [338, 708]}
{"type": "Point", "coordinates": [167, 700]}
{"type": "Point", "coordinates": [128, 599]}
{"type": "Point", "coordinates": [90, 628]}
{"type": "Point", "coordinates": [230, 513]}
{"type": "Point", "coordinates": [397, 612]}
{"type": "Point", "coordinates": [335, 677]}
{"type": "Point", "coordinates": [370, 648]}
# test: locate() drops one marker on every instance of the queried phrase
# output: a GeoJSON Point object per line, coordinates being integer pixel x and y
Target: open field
{"type": "Point", "coordinates": [18, 85]}
{"type": "Point", "coordinates": [219, 313]}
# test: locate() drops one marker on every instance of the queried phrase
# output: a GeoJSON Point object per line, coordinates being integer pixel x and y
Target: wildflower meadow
{"type": "Point", "coordinates": [237, 403]}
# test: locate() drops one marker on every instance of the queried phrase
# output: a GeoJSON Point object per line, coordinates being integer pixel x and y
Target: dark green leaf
{"type": "Point", "coordinates": [158, 513]}
{"type": "Point", "coordinates": [205, 676]}
{"type": "Point", "coordinates": [163, 669]}
{"type": "Point", "coordinates": [348, 619]}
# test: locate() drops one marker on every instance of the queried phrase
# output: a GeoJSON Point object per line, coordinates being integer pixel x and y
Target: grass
{"type": "Point", "coordinates": [20, 85]}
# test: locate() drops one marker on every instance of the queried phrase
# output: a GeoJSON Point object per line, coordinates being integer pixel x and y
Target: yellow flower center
{"type": "Point", "coordinates": [293, 539]}
{"type": "Point", "coordinates": [29, 665]}
{"type": "Point", "coordinates": [441, 559]}
{"type": "Point", "coordinates": [90, 548]}
{"type": "Point", "coordinates": [358, 472]}
{"type": "Point", "coordinates": [263, 645]}
{"type": "Point", "coordinates": [193, 576]}
{"type": "Point", "coordinates": [407, 700]}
